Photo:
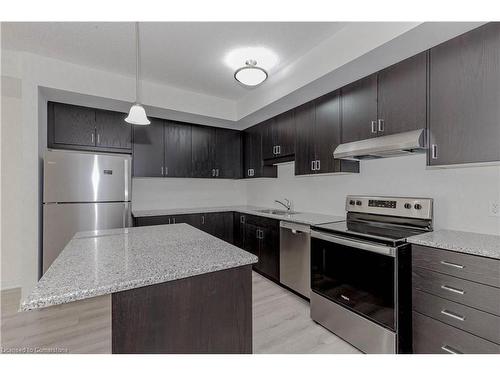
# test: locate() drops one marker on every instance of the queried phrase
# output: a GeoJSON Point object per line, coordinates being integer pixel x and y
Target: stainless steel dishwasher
{"type": "Point", "coordinates": [295, 257]}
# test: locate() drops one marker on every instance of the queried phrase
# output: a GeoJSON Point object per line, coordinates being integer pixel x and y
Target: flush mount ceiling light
{"type": "Point", "coordinates": [250, 74]}
{"type": "Point", "coordinates": [137, 114]}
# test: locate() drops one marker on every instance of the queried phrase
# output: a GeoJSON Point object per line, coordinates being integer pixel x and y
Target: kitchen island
{"type": "Point", "coordinates": [174, 288]}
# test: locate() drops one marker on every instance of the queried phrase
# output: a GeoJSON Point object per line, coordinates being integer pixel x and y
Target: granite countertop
{"type": "Point", "coordinates": [299, 217]}
{"type": "Point", "coordinates": [486, 245]}
{"type": "Point", "coordinates": [107, 261]}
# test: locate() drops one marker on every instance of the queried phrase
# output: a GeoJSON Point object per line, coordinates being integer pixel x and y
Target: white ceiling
{"type": "Point", "coordinates": [186, 55]}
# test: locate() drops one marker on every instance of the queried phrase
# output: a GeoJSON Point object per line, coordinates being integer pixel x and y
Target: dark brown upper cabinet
{"type": "Point", "coordinates": [177, 145]}
{"type": "Point", "coordinates": [464, 98]}
{"type": "Point", "coordinates": [305, 151]}
{"type": "Point", "coordinates": [228, 153]}
{"type": "Point", "coordinates": [252, 152]}
{"type": "Point", "coordinates": [203, 151]}
{"type": "Point", "coordinates": [149, 149]}
{"type": "Point", "coordinates": [402, 93]}
{"type": "Point", "coordinates": [112, 131]}
{"type": "Point", "coordinates": [87, 129]}
{"type": "Point", "coordinates": [359, 109]}
{"type": "Point", "coordinates": [279, 136]}
{"type": "Point", "coordinates": [318, 134]}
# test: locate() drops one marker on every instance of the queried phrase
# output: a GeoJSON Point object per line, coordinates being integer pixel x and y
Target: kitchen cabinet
{"type": "Point", "coordinates": [87, 129]}
{"type": "Point", "coordinates": [252, 150]}
{"type": "Point", "coordinates": [228, 153]}
{"type": "Point", "coordinates": [203, 151]}
{"type": "Point", "coordinates": [261, 237]}
{"type": "Point", "coordinates": [318, 134]}
{"type": "Point", "coordinates": [402, 93]}
{"type": "Point", "coordinates": [359, 109]}
{"type": "Point", "coordinates": [177, 144]}
{"type": "Point", "coordinates": [112, 131]}
{"type": "Point", "coordinates": [148, 149]}
{"type": "Point", "coordinates": [464, 97]}
{"type": "Point", "coordinates": [279, 136]}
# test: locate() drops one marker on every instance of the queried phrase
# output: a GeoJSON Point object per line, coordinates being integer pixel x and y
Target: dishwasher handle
{"type": "Point", "coordinates": [295, 228]}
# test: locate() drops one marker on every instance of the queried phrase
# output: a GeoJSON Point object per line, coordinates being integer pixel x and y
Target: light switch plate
{"type": "Point", "coordinates": [494, 208]}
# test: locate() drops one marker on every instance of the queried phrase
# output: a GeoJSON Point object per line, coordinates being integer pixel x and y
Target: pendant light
{"type": "Point", "coordinates": [137, 114]}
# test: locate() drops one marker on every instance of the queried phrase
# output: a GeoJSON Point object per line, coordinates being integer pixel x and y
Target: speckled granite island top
{"type": "Point", "coordinates": [109, 261]}
{"type": "Point", "coordinates": [485, 245]}
{"type": "Point", "coordinates": [307, 218]}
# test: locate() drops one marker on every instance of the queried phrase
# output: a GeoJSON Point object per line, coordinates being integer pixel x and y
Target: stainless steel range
{"type": "Point", "coordinates": [361, 271]}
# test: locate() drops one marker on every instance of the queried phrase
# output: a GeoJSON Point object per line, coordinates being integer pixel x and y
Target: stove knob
{"type": "Point", "coordinates": [351, 202]}
{"type": "Point", "coordinates": [407, 206]}
{"type": "Point", "coordinates": [417, 206]}
{"type": "Point", "coordinates": [358, 203]}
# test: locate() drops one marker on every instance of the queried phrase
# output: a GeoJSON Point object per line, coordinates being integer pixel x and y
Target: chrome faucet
{"type": "Point", "coordinates": [287, 205]}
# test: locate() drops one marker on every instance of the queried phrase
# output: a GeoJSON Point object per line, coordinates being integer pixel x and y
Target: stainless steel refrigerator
{"type": "Point", "coordinates": [81, 192]}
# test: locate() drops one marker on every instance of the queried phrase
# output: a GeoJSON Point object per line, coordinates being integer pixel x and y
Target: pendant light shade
{"type": "Point", "coordinates": [137, 113]}
{"type": "Point", "coordinates": [250, 74]}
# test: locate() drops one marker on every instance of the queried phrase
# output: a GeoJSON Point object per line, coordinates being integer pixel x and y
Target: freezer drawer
{"type": "Point", "coordinates": [62, 221]}
{"type": "Point", "coordinates": [71, 176]}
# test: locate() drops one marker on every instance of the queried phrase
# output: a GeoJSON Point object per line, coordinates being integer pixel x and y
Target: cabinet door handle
{"type": "Point", "coordinates": [313, 165]}
{"type": "Point", "coordinates": [274, 150]}
{"type": "Point", "coordinates": [202, 219]}
{"type": "Point", "coordinates": [213, 172]}
{"type": "Point", "coordinates": [169, 220]}
{"type": "Point", "coordinates": [242, 219]}
{"type": "Point", "coordinates": [380, 125]}
{"type": "Point", "coordinates": [166, 171]}
{"type": "Point", "coordinates": [374, 126]}
{"type": "Point", "coordinates": [253, 172]}
{"type": "Point", "coordinates": [163, 174]}
{"type": "Point", "coordinates": [434, 151]}
{"type": "Point", "coordinates": [173, 220]}
{"type": "Point", "coordinates": [318, 165]}
{"type": "Point", "coordinates": [248, 172]}
{"type": "Point", "coordinates": [454, 290]}
{"type": "Point", "coordinates": [450, 264]}
{"type": "Point", "coordinates": [92, 137]}
{"type": "Point", "coordinates": [453, 315]}
{"type": "Point", "coordinates": [279, 150]}
{"type": "Point", "coordinates": [217, 172]}
{"type": "Point", "coordinates": [449, 349]}
{"type": "Point", "coordinates": [98, 138]}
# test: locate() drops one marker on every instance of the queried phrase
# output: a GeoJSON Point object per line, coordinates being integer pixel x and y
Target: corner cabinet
{"type": "Point", "coordinates": [464, 98]}
{"type": "Point", "coordinates": [253, 164]}
{"type": "Point", "coordinates": [279, 136]}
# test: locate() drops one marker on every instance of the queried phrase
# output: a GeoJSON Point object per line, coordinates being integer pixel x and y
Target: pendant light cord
{"type": "Point", "coordinates": [137, 62]}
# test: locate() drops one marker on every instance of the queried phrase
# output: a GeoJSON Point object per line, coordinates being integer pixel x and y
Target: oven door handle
{"type": "Point", "coordinates": [374, 248]}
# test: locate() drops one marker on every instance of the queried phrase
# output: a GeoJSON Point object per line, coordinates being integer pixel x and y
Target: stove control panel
{"type": "Point", "coordinates": [394, 206]}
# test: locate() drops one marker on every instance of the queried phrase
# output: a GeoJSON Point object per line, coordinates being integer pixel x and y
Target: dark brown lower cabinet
{"type": "Point", "coordinates": [205, 314]}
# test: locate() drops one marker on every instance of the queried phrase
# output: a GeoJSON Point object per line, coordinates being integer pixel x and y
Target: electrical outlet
{"type": "Point", "coordinates": [495, 208]}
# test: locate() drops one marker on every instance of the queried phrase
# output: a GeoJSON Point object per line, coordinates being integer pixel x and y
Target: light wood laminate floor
{"type": "Point", "coordinates": [281, 324]}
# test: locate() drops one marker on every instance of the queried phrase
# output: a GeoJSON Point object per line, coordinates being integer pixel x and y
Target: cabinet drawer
{"type": "Point", "coordinates": [466, 318]}
{"type": "Point", "coordinates": [433, 337]}
{"type": "Point", "coordinates": [479, 296]}
{"type": "Point", "coordinates": [469, 267]}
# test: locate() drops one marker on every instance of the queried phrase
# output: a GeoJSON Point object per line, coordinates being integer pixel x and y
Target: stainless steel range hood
{"type": "Point", "coordinates": [383, 147]}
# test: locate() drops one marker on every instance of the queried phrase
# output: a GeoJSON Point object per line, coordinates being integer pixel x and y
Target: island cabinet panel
{"type": "Point", "coordinates": [203, 151]}
{"type": "Point", "coordinates": [112, 131]}
{"type": "Point", "coordinates": [205, 314]}
{"type": "Point", "coordinates": [148, 149]}
{"type": "Point", "coordinates": [177, 145]}
{"type": "Point", "coordinates": [464, 97]}
{"type": "Point", "coordinates": [402, 96]}
{"type": "Point", "coordinates": [359, 109]}
{"type": "Point", "coordinates": [228, 154]}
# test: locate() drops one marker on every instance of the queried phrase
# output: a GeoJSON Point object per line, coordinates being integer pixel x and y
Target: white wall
{"type": "Point", "coordinates": [461, 195]}
{"type": "Point", "coordinates": [151, 193]}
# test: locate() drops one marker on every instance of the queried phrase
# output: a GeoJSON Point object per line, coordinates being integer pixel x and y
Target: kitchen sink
{"type": "Point", "coordinates": [277, 212]}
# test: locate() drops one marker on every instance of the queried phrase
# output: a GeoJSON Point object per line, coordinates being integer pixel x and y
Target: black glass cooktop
{"type": "Point", "coordinates": [379, 232]}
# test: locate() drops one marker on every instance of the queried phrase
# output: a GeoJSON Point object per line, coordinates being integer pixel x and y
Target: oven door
{"type": "Point", "coordinates": [358, 275]}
